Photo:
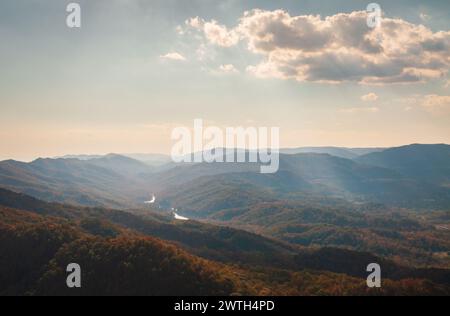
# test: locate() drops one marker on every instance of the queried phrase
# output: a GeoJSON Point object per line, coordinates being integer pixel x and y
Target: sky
{"type": "Point", "coordinates": [137, 69]}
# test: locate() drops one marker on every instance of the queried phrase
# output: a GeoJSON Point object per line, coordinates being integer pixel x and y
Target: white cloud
{"type": "Point", "coordinates": [202, 52]}
{"type": "Point", "coordinates": [214, 32]}
{"type": "Point", "coordinates": [173, 56]}
{"type": "Point", "coordinates": [196, 22]}
{"type": "Point", "coordinates": [228, 69]}
{"type": "Point", "coordinates": [424, 17]}
{"type": "Point", "coordinates": [370, 97]}
{"type": "Point", "coordinates": [220, 35]}
{"type": "Point", "coordinates": [432, 103]}
{"type": "Point", "coordinates": [336, 48]}
{"type": "Point", "coordinates": [180, 30]}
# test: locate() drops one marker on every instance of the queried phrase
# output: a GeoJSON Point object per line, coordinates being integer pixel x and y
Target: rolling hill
{"type": "Point", "coordinates": [120, 254]}
{"type": "Point", "coordinates": [430, 163]}
{"type": "Point", "coordinates": [414, 176]}
{"type": "Point", "coordinates": [212, 187]}
{"type": "Point", "coordinates": [341, 152]}
{"type": "Point", "coordinates": [86, 182]}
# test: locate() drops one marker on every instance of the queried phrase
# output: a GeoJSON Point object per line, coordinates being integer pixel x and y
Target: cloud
{"type": "Point", "coordinates": [173, 56]}
{"type": "Point", "coordinates": [219, 34]}
{"type": "Point", "coordinates": [180, 30]}
{"type": "Point", "coordinates": [215, 33]}
{"type": "Point", "coordinates": [424, 17]}
{"type": "Point", "coordinates": [432, 103]}
{"type": "Point", "coordinates": [228, 69]}
{"type": "Point", "coordinates": [196, 22]}
{"type": "Point", "coordinates": [334, 49]}
{"type": "Point", "coordinates": [436, 104]}
{"type": "Point", "coordinates": [370, 97]}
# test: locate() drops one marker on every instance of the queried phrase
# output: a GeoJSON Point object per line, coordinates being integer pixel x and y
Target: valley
{"type": "Point", "coordinates": [313, 225]}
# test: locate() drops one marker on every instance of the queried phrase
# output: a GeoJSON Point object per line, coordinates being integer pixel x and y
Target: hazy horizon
{"type": "Point", "coordinates": [168, 153]}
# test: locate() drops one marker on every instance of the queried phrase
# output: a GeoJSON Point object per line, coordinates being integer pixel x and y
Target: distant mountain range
{"type": "Point", "coordinates": [212, 187]}
{"type": "Point", "coordinates": [111, 180]}
{"type": "Point", "coordinates": [414, 176]}
{"type": "Point", "coordinates": [342, 152]}
{"type": "Point", "coordinates": [157, 160]}
{"type": "Point", "coordinates": [154, 160]}
{"type": "Point", "coordinates": [430, 163]}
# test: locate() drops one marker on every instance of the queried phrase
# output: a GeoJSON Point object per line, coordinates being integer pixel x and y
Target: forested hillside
{"type": "Point", "coordinates": [120, 255]}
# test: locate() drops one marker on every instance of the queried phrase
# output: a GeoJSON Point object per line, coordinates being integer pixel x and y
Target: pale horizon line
{"type": "Point", "coordinates": [65, 156]}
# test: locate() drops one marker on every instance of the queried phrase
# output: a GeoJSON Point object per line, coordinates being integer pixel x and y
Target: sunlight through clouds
{"type": "Point", "coordinates": [335, 48]}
